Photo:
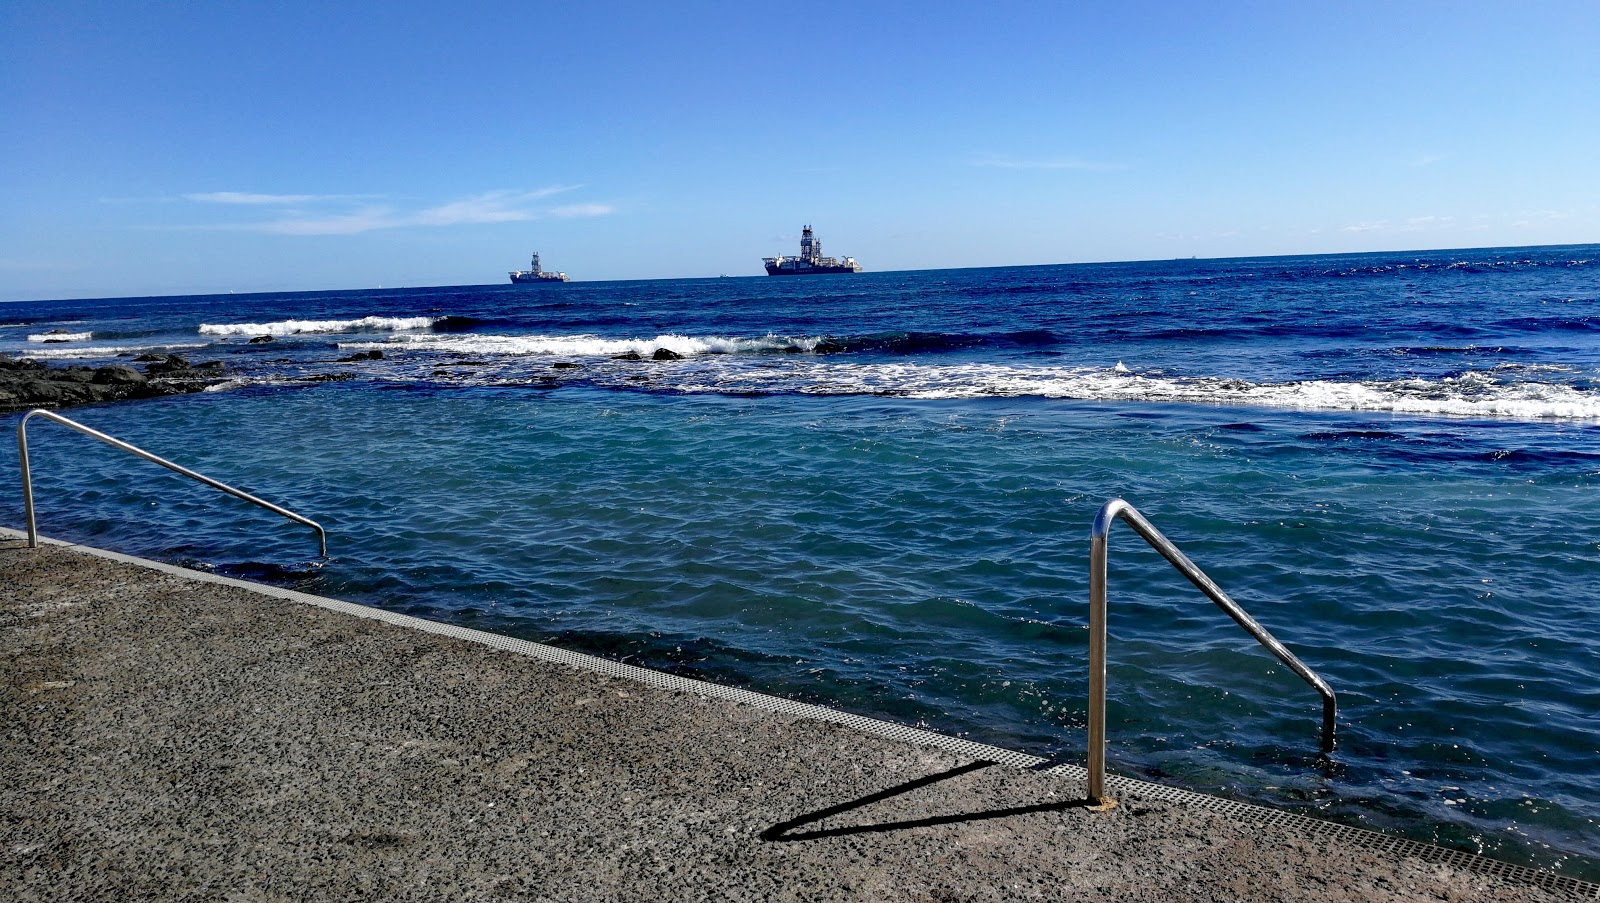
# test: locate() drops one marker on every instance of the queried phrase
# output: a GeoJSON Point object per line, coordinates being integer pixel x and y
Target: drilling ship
{"type": "Point", "coordinates": [810, 260]}
{"type": "Point", "coordinates": [534, 274]}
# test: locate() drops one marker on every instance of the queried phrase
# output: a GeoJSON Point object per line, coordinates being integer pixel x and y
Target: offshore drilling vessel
{"type": "Point", "coordinates": [534, 274]}
{"type": "Point", "coordinates": [810, 260]}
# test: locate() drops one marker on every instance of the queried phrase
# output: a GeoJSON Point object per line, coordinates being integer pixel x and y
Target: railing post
{"type": "Point", "coordinates": [1099, 544]}
{"type": "Point", "coordinates": [1099, 541]}
{"type": "Point", "coordinates": [27, 481]}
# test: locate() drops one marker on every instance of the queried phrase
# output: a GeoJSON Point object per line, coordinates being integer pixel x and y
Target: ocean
{"type": "Point", "coordinates": [875, 492]}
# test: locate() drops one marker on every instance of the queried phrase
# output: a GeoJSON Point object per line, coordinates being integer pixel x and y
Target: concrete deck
{"type": "Point", "coordinates": [176, 736]}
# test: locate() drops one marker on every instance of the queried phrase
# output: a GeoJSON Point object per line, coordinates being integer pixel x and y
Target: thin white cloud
{"type": "Point", "coordinates": [1427, 159]}
{"type": "Point", "coordinates": [1000, 161]}
{"type": "Point", "coordinates": [572, 210]}
{"type": "Point", "coordinates": [1410, 224]}
{"type": "Point", "coordinates": [246, 197]}
{"type": "Point", "coordinates": [363, 220]}
{"type": "Point", "coordinates": [489, 207]}
{"type": "Point", "coordinates": [502, 206]}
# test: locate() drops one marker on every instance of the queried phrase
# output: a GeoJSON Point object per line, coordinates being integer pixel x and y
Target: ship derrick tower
{"type": "Point", "coordinates": [810, 247]}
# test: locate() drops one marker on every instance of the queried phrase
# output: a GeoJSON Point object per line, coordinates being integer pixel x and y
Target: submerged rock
{"type": "Point", "coordinates": [261, 340]}
{"type": "Point", "coordinates": [628, 356]}
{"type": "Point", "coordinates": [666, 354]}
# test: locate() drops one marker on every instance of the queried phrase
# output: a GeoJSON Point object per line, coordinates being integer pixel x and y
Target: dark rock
{"type": "Point", "coordinates": [375, 354]}
{"type": "Point", "coordinates": [39, 392]}
{"type": "Point", "coordinates": [171, 363]}
{"type": "Point", "coordinates": [30, 384]}
{"type": "Point", "coordinates": [666, 354]}
{"type": "Point", "coordinates": [118, 374]}
{"type": "Point", "coordinates": [628, 356]}
{"type": "Point", "coordinates": [210, 365]}
{"type": "Point", "coordinates": [328, 378]}
{"type": "Point", "coordinates": [566, 365]}
{"type": "Point", "coordinates": [24, 365]}
{"type": "Point", "coordinates": [147, 357]}
{"type": "Point", "coordinates": [261, 340]}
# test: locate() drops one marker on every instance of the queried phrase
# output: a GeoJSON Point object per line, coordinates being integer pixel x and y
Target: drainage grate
{"type": "Point", "coordinates": [1257, 815]}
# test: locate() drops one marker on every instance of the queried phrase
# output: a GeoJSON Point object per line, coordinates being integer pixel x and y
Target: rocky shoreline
{"type": "Point", "coordinates": [26, 383]}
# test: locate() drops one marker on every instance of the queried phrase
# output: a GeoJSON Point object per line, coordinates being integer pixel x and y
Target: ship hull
{"type": "Point", "coordinates": [773, 270]}
{"type": "Point", "coordinates": [525, 278]}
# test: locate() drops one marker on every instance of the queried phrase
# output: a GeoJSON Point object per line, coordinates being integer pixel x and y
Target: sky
{"type": "Point", "coordinates": [158, 148]}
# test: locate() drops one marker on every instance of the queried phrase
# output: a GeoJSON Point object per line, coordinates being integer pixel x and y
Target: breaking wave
{"type": "Point", "coordinates": [1469, 395]}
{"type": "Point", "coordinates": [591, 345]}
{"type": "Point", "coordinates": [297, 327]}
{"type": "Point", "coordinates": [789, 365]}
{"type": "Point", "coordinates": [103, 351]}
{"type": "Point", "coordinates": [61, 337]}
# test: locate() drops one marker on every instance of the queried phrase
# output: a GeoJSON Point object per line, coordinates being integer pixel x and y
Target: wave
{"type": "Point", "coordinates": [1472, 394]}
{"type": "Point", "coordinates": [816, 365]}
{"type": "Point", "coordinates": [107, 351]}
{"type": "Point", "coordinates": [297, 327]}
{"type": "Point", "coordinates": [934, 342]}
{"type": "Point", "coordinates": [61, 337]}
{"type": "Point", "coordinates": [1386, 268]}
{"type": "Point", "coordinates": [592, 345]}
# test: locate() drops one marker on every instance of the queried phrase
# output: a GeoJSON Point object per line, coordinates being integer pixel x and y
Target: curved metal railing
{"type": "Point", "coordinates": [1098, 550]}
{"type": "Point", "coordinates": [27, 477]}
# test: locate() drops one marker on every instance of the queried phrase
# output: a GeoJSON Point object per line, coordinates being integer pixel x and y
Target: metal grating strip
{"type": "Point", "coordinates": [1257, 815]}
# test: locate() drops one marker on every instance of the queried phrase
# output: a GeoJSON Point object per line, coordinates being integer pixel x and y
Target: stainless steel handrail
{"type": "Point", "coordinates": [1098, 548]}
{"type": "Point", "coordinates": [27, 477]}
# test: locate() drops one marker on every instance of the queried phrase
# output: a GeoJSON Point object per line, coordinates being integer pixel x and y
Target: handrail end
{"type": "Point", "coordinates": [1108, 513]}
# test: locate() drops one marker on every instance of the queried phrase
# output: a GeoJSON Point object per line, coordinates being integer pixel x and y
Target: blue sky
{"type": "Point", "coordinates": [171, 148]}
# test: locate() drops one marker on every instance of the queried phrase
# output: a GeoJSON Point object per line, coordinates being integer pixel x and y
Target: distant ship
{"type": "Point", "coordinates": [534, 274]}
{"type": "Point", "coordinates": [810, 260]}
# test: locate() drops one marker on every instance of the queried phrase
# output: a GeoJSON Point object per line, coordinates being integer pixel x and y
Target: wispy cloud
{"type": "Point", "coordinates": [245, 197]}
{"type": "Point", "coordinates": [310, 214]}
{"type": "Point", "coordinates": [1427, 159]}
{"type": "Point", "coordinates": [1078, 164]}
{"type": "Point", "coordinates": [572, 210]}
{"type": "Point", "coordinates": [1410, 224]}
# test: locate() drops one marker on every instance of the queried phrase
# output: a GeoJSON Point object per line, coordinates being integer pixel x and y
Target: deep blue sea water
{"type": "Point", "coordinates": [875, 492]}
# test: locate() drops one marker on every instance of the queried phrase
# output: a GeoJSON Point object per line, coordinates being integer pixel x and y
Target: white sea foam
{"type": "Point", "coordinates": [97, 351]}
{"type": "Point", "coordinates": [61, 337]}
{"type": "Point", "coordinates": [587, 345]}
{"type": "Point", "coordinates": [1469, 395]}
{"type": "Point", "coordinates": [296, 327]}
